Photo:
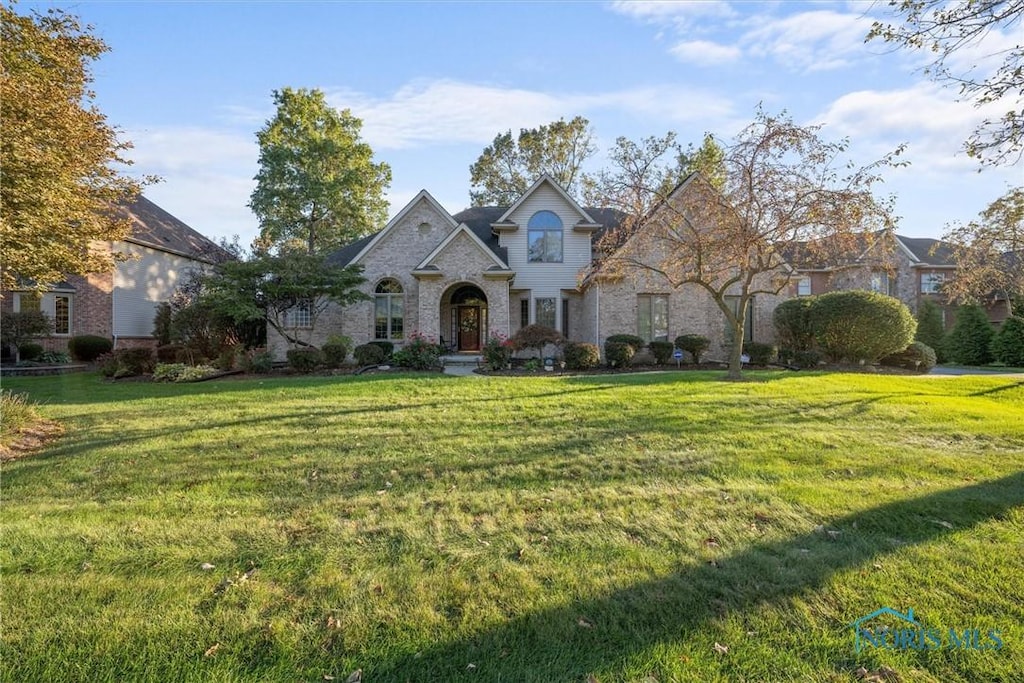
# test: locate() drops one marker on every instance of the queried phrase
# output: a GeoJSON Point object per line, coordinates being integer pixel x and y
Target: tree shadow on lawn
{"type": "Point", "coordinates": [551, 645]}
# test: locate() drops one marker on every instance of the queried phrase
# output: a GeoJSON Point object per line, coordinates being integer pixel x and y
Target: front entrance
{"type": "Point", "coordinates": [467, 317]}
{"type": "Point", "coordinates": [469, 328]}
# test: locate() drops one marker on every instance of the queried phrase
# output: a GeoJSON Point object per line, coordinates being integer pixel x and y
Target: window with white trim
{"type": "Point", "coordinates": [880, 282]}
{"type": "Point", "coordinates": [544, 238]}
{"type": "Point", "coordinates": [62, 314]}
{"type": "Point", "coordinates": [803, 286]}
{"type": "Point", "coordinates": [388, 310]}
{"type": "Point", "coordinates": [931, 283]}
{"type": "Point", "coordinates": [301, 315]}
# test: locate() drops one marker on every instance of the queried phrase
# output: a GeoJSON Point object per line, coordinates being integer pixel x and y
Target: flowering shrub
{"type": "Point", "coordinates": [497, 351]}
{"type": "Point", "coordinates": [419, 353]}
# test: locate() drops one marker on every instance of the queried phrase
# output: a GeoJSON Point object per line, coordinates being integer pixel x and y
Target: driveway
{"type": "Point", "coordinates": [957, 372]}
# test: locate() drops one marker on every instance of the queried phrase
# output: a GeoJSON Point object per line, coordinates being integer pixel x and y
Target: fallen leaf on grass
{"type": "Point", "coordinates": [711, 542]}
{"type": "Point", "coordinates": [721, 649]}
{"type": "Point", "coordinates": [583, 623]}
{"type": "Point", "coordinates": [882, 675]}
{"type": "Point", "coordinates": [470, 667]}
{"type": "Point", "coordinates": [212, 650]}
{"type": "Point", "coordinates": [355, 677]}
{"type": "Point", "coordinates": [592, 679]}
{"type": "Point", "coordinates": [206, 566]}
{"type": "Point", "coordinates": [833, 534]}
{"type": "Point", "coordinates": [943, 524]}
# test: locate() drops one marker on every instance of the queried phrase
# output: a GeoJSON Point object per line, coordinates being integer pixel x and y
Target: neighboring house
{"type": "Point", "coordinates": [911, 269]}
{"type": "Point", "coordinates": [159, 254]}
{"type": "Point", "coordinates": [492, 270]}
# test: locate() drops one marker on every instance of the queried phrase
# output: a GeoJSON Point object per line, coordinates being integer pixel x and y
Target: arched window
{"type": "Point", "coordinates": [544, 238]}
{"type": "Point", "coordinates": [387, 310]}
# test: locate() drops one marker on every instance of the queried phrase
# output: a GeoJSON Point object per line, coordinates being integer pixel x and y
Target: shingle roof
{"type": "Point", "coordinates": [154, 227]}
{"type": "Point", "coordinates": [478, 219]}
{"type": "Point", "coordinates": [929, 251]}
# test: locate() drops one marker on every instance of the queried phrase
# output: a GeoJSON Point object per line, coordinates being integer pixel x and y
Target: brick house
{"type": "Point", "coordinates": [492, 270]}
{"type": "Point", "coordinates": [911, 269]}
{"type": "Point", "coordinates": [160, 253]}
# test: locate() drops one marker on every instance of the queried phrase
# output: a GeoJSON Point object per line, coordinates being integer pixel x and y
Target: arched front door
{"type": "Point", "coordinates": [468, 317]}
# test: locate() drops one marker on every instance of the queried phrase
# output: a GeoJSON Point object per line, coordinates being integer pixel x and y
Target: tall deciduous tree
{"type": "Point", "coordinates": [989, 253]}
{"type": "Point", "coordinates": [58, 155]}
{"type": "Point", "coordinates": [318, 187]}
{"type": "Point", "coordinates": [273, 288]}
{"type": "Point", "coordinates": [507, 167]}
{"type": "Point", "coordinates": [708, 160]}
{"type": "Point", "coordinates": [785, 187]}
{"type": "Point", "coordinates": [949, 32]}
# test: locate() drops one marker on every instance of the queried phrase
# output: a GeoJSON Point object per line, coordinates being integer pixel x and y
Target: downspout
{"type": "Point", "coordinates": [597, 319]}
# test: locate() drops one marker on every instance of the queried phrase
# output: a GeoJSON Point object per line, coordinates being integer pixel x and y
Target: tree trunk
{"type": "Point", "coordinates": [736, 352]}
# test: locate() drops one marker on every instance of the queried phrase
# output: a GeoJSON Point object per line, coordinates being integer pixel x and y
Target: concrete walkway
{"type": "Point", "coordinates": [938, 370]}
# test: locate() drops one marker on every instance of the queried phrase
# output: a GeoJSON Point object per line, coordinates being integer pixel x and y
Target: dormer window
{"type": "Point", "coordinates": [544, 238]}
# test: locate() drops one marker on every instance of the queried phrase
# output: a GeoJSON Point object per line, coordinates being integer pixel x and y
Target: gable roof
{"type": "Point", "coordinates": [463, 229]}
{"type": "Point", "coordinates": [928, 251]}
{"type": "Point", "coordinates": [153, 227]}
{"type": "Point", "coordinates": [372, 240]}
{"type": "Point", "coordinates": [546, 179]}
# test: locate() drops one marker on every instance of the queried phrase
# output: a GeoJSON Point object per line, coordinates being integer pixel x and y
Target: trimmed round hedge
{"type": "Point", "coordinates": [858, 326]}
{"type": "Point", "coordinates": [89, 347]}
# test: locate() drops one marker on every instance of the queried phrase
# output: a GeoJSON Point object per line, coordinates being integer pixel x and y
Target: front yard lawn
{"type": "Point", "coordinates": [650, 527]}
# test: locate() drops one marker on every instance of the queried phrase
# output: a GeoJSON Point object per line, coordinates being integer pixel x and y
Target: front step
{"type": "Point", "coordinates": [462, 360]}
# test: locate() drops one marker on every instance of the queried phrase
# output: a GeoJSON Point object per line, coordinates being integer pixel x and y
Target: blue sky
{"type": "Point", "coordinates": [190, 84]}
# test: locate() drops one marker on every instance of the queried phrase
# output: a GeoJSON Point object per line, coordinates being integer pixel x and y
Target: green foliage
{"type": "Point", "coordinates": [168, 353]}
{"type": "Point", "coordinates": [662, 351]}
{"type": "Point", "coordinates": [368, 354]}
{"type": "Point", "coordinates": [386, 347]}
{"type": "Point", "coordinates": [418, 353]}
{"type": "Point", "coordinates": [180, 372]}
{"type": "Point", "coordinates": [54, 358]}
{"type": "Point", "coordinates": [507, 167]}
{"type": "Point", "coordinates": [618, 354]}
{"type": "Point", "coordinates": [581, 356]}
{"type": "Point", "coordinates": [970, 340]}
{"type": "Point", "coordinates": [918, 357]}
{"type": "Point", "coordinates": [536, 337]}
{"type": "Point", "coordinates": [30, 351]}
{"type": "Point", "coordinates": [760, 353]}
{"type": "Point", "coordinates": [304, 359]}
{"type": "Point", "coordinates": [257, 361]}
{"type": "Point", "coordinates": [317, 187]}
{"type": "Point", "coordinates": [855, 325]}
{"type": "Point", "coordinates": [806, 359]}
{"type": "Point", "coordinates": [633, 340]}
{"type": "Point", "coordinates": [269, 287]}
{"type": "Point", "coordinates": [497, 352]}
{"type": "Point", "coordinates": [930, 330]}
{"type": "Point", "coordinates": [336, 350]}
{"type": "Point", "coordinates": [227, 358]}
{"type": "Point", "coordinates": [127, 362]}
{"type": "Point", "coordinates": [59, 156]}
{"type": "Point", "coordinates": [18, 328]}
{"type": "Point", "coordinates": [793, 324]}
{"type": "Point", "coordinates": [708, 160]}
{"type": "Point", "coordinates": [89, 347]}
{"type": "Point", "coordinates": [202, 327]}
{"type": "Point", "coordinates": [1008, 344]}
{"type": "Point", "coordinates": [694, 344]}
{"type": "Point", "coordinates": [162, 323]}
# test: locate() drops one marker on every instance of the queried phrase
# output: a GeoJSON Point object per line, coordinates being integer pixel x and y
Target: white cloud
{"type": "Point", "coordinates": [810, 41]}
{"type": "Point", "coordinates": [679, 13]}
{"type": "Point", "coordinates": [705, 52]}
{"type": "Point", "coordinates": [924, 116]}
{"type": "Point", "coordinates": [174, 149]}
{"type": "Point", "coordinates": [452, 112]}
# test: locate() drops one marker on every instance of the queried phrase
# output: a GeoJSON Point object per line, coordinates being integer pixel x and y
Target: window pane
{"type": "Point", "coordinates": [524, 312]}
{"type": "Point", "coordinates": [62, 315]}
{"type": "Point", "coordinates": [659, 318]}
{"type": "Point", "coordinates": [803, 287]}
{"type": "Point", "coordinates": [565, 318]}
{"type": "Point", "coordinates": [546, 312]}
{"type": "Point", "coordinates": [544, 246]}
{"type": "Point", "coordinates": [545, 220]}
{"type": "Point", "coordinates": [643, 317]}
{"type": "Point", "coordinates": [28, 302]}
{"type": "Point", "coordinates": [380, 318]}
{"type": "Point", "coordinates": [396, 317]}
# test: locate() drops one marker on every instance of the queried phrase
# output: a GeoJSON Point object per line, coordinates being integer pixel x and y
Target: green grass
{"type": "Point", "coordinates": [432, 528]}
{"type": "Point", "coordinates": [16, 413]}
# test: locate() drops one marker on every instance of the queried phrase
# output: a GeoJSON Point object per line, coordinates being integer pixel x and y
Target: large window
{"type": "Point", "coordinates": [803, 286]}
{"type": "Point", "coordinates": [388, 314]}
{"type": "Point", "coordinates": [880, 282]}
{"type": "Point", "coordinates": [545, 312]}
{"type": "Point", "coordinates": [652, 317]}
{"type": "Point", "coordinates": [931, 283]}
{"type": "Point", "coordinates": [544, 238]}
{"type": "Point", "coordinates": [301, 315]}
{"type": "Point", "coordinates": [748, 325]}
{"type": "Point", "coordinates": [28, 301]}
{"type": "Point", "coordinates": [62, 314]}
